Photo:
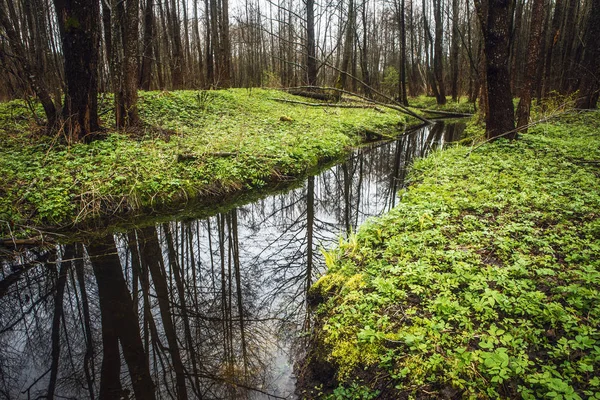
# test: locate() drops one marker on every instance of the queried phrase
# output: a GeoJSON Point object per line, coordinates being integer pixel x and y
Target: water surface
{"type": "Point", "coordinates": [206, 308]}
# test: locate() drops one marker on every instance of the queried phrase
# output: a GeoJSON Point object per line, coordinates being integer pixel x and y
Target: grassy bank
{"type": "Point", "coordinates": [207, 143]}
{"type": "Point", "coordinates": [484, 282]}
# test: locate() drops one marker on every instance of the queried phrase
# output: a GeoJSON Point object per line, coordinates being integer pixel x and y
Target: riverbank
{"type": "Point", "coordinates": [194, 144]}
{"type": "Point", "coordinates": [484, 282]}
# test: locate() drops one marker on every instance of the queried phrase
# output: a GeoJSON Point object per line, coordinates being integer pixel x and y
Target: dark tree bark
{"type": "Point", "coordinates": [56, 318]}
{"type": "Point", "coordinates": [500, 118]}
{"type": "Point", "coordinates": [589, 84]}
{"type": "Point", "coordinates": [225, 45]}
{"type": "Point", "coordinates": [118, 324]}
{"type": "Point", "coordinates": [89, 348]}
{"type": "Point", "coordinates": [311, 61]}
{"type": "Point", "coordinates": [348, 45]}
{"type": "Point", "coordinates": [126, 96]}
{"type": "Point", "coordinates": [364, 53]}
{"type": "Point", "coordinates": [152, 258]}
{"type": "Point", "coordinates": [177, 56]}
{"type": "Point", "coordinates": [78, 22]}
{"type": "Point", "coordinates": [400, 13]}
{"type": "Point", "coordinates": [454, 54]}
{"type": "Point", "coordinates": [438, 55]}
{"type": "Point", "coordinates": [198, 46]}
{"type": "Point", "coordinates": [553, 38]}
{"type": "Point", "coordinates": [568, 44]}
{"type": "Point", "coordinates": [533, 51]}
{"type": "Point", "coordinates": [147, 52]}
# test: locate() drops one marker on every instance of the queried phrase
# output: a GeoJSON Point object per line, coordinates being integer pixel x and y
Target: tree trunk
{"type": "Point", "coordinates": [177, 56]}
{"type": "Point", "coordinates": [364, 54]}
{"type": "Point", "coordinates": [438, 56]}
{"type": "Point", "coordinates": [589, 83]}
{"type": "Point", "coordinates": [225, 45]}
{"type": "Point", "coordinates": [311, 61]}
{"type": "Point", "coordinates": [348, 45]}
{"type": "Point", "coordinates": [118, 323]}
{"type": "Point", "coordinates": [58, 314]}
{"type": "Point", "coordinates": [79, 31]}
{"type": "Point", "coordinates": [152, 257]}
{"type": "Point", "coordinates": [533, 51]}
{"type": "Point", "coordinates": [496, 30]}
{"type": "Point", "coordinates": [454, 54]}
{"type": "Point", "coordinates": [126, 96]}
{"type": "Point", "coordinates": [147, 53]}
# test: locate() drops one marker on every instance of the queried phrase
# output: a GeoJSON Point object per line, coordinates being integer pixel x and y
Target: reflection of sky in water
{"type": "Point", "coordinates": [266, 241]}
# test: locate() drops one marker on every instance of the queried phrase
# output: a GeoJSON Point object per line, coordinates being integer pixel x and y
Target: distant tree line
{"type": "Point", "coordinates": [66, 51]}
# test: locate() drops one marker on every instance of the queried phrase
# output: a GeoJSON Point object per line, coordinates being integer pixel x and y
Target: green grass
{"type": "Point", "coordinates": [429, 102]}
{"type": "Point", "coordinates": [231, 140]}
{"type": "Point", "coordinates": [484, 282]}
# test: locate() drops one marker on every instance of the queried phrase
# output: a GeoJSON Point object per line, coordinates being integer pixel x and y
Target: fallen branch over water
{"type": "Point", "coordinates": [447, 113]}
{"type": "Point", "coordinates": [336, 105]}
{"type": "Point", "coordinates": [398, 108]}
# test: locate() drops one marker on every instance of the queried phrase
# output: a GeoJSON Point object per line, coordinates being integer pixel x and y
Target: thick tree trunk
{"type": "Point", "coordinates": [177, 56]}
{"type": "Point", "coordinates": [118, 322]}
{"type": "Point", "coordinates": [78, 22]}
{"type": "Point", "coordinates": [147, 52]}
{"type": "Point", "coordinates": [535, 40]}
{"type": "Point", "coordinates": [496, 30]}
{"type": "Point", "coordinates": [589, 84]}
{"type": "Point", "coordinates": [126, 20]}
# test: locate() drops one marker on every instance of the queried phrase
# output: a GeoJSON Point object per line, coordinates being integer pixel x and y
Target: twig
{"type": "Point", "coordinates": [449, 113]}
{"type": "Point", "coordinates": [304, 103]}
{"type": "Point", "coordinates": [401, 109]}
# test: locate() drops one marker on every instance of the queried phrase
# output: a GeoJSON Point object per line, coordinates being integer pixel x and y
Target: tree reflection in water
{"type": "Point", "coordinates": [205, 308]}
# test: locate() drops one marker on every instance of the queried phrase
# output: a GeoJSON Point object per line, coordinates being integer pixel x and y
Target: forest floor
{"type": "Point", "coordinates": [195, 144]}
{"type": "Point", "coordinates": [484, 282]}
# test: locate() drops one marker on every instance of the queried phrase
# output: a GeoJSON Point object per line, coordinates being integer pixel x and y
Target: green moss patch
{"type": "Point", "coordinates": [484, 282]}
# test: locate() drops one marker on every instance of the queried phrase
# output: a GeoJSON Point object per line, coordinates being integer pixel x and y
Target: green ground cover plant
{"type": "Point", "coordinates": [194, 144]}
{"type": "Point", "coordinates": [484, 282]}
{"type": "Point", "coordinates": [462, 105]}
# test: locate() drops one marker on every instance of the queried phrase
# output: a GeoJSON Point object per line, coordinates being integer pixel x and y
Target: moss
{"type": "Point", "coordinates": [484, 282]}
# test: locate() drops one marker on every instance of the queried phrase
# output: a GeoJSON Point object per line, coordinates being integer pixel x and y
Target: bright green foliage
{"type": "Point", "coordinates": [429, 102]}
{"type": "Point", "coordinates": [484, 282]}
{"type": "Point", "coordinates": [215, 142]}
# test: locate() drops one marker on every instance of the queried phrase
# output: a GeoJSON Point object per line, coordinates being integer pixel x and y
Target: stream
{"type": "Point", "coordinates": [211, 308]}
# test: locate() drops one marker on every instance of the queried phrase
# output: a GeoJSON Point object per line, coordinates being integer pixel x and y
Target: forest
{"type": "Point", "coordinates": [488, 51]}
{"type": "Point", "coordinates": [279, 199]}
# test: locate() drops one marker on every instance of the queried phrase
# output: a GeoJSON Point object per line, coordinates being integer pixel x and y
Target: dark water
{"type": "Point", "coordinates": [209, 308]}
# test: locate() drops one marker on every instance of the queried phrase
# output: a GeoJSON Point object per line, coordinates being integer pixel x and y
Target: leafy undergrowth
{"type": "Point", "coordinates": [484, 282]}
{"type": "Point", "coordinates": [209, 143]}
{"type": "Point", "coordinates": [429, 102]}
